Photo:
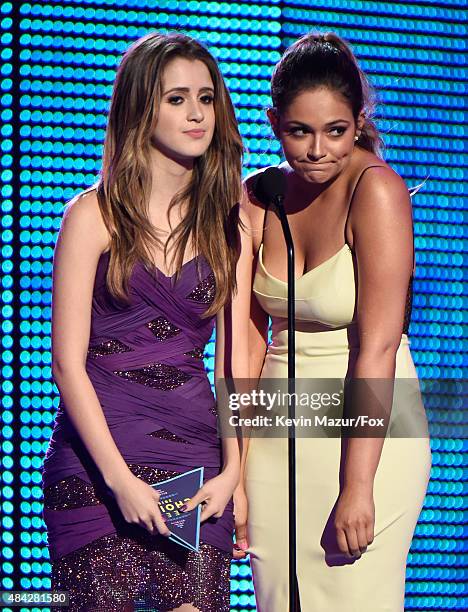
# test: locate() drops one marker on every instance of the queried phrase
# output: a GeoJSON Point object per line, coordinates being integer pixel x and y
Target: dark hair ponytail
{"type": "Point", "coordinates": [326, 60]}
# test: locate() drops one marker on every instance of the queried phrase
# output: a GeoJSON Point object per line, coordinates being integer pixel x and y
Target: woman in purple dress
{"type": "Point", "coordinates": [147, 262]}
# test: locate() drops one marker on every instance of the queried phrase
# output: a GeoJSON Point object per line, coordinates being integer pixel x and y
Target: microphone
{"type": "Point", "coordinates": [270, 186]}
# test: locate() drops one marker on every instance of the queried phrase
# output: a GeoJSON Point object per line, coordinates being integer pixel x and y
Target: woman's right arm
{"type": "Point", "coordinates": [258, 340]}
{"type": "Point", "coordinates": [258, 323]}
{"type": "Point", "coordinates": [257, 343]}
{"type": "Point", "coordinates": [82, 238]}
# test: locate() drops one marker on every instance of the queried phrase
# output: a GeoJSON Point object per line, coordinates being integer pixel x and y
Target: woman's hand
{"type": "Point", "coordinates": [354, 519]}
{"type": "Point", "coordinates": [214, 494]}
{"type": "Point", "coordinates": [138, 502]}
{"type": "Point", "coordinates": [241, 509]}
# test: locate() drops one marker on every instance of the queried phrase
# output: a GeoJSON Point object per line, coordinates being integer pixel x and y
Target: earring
{"type": "Point", "coordinates": [356, 138]}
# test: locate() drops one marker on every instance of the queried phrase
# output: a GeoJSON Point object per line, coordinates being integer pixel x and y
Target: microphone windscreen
{"type": "Point", "coordinates": [270, 184]}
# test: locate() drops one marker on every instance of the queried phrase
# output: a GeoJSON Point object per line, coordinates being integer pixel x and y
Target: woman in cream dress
{"type": "Point", "coordinates": [350, 216]}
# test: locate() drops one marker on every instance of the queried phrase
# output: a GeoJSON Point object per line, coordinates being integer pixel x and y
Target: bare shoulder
{"type": "Point", "coordinates": [82, 239]}
{"type": "Point", "coordinates": [254, 208]}
{"type": "Point", "coordinates": [82, 222]}
{"type": "Point", "coordinates": [244, 217]}
{"type": "Point", "coordinates": [380, 188]}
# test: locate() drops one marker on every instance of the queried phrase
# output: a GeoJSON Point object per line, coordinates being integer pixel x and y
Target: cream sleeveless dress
{"type": "Point", "coordinates": [327, 581]}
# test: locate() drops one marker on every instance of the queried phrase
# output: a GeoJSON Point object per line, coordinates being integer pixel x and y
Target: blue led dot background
{"type": "Point", "coordinates": [58, 62]}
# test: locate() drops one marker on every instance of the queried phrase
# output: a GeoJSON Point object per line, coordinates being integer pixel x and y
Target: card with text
{"type": "Point", "coordinates": [174, 493]}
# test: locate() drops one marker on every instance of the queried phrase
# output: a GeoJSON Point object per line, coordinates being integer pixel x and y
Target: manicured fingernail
{"type": "Point", "coordinates": [183, 508]}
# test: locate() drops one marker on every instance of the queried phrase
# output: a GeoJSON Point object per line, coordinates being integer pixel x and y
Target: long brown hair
{"type": "Point", "coordinates": [210, 223]}
{"type": "Point", "coordinates": [316, 60]}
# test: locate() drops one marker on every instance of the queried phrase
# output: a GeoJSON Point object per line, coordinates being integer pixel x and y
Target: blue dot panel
{"type": "Point", "coordinates": [54, 116]}
{"type": "Point", "coordinates": [9, 468]}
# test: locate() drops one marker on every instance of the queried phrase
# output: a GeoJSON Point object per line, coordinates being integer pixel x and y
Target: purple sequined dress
{"type": "Point", "coordinates": [145, 361]}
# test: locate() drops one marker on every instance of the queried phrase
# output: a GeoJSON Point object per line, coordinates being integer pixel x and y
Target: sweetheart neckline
{"type": "Point", "coordinates": [278, 280]}
{"type": "Point", "coordinates": [156, 267]}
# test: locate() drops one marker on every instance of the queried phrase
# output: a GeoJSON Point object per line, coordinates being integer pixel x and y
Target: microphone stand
{"type": "Point", "coordinates": [294, 604]}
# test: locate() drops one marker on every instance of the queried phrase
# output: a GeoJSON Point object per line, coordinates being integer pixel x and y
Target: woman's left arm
{"type": "Point", "coordinates": [381, 227]}
{"type": "Point", "coordinates": [231, 362]}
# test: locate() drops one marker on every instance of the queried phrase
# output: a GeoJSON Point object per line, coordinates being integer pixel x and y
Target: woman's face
{"type": "Point", "coordinates": [317, 133]}
{"type": "Point", "coordinates": [186, 118]}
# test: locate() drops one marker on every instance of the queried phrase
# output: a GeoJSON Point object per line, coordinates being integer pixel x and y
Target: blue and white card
{"type": "Point", "coordinates": [174, 493]}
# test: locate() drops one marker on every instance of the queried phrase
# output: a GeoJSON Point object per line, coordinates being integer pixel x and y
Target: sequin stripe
{"type": "Point", "coordinates": [205, 291]}
{"type": "Point", "coordinates": [157, 375]}
{"type": "Point", "coordinates": [151, 474]}
{"type": "Point", "coordinates": [162, 328]}
{"type": "Point", "coordinates": [74, 492]}
{"type": "Point", "coordinates": [196, 353]}
{"type": "Point", "coordinates": [118, 573]}
{"type": "Point", "coordinates": [108, 347]}
{"type": "Point", "coordinates": [164, 434]}
{"type": "Point", "coordinates": [71, 492]}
